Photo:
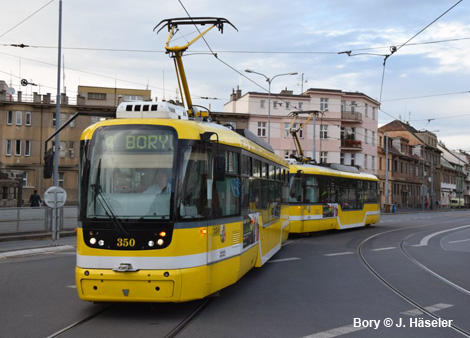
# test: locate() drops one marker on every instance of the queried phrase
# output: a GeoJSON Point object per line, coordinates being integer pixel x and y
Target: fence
{"type": "Point", "coordinates": [14, 220]}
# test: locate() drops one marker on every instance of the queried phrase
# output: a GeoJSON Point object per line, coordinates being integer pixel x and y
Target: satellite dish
{"type": "Point", "coordinates": [349, 131]}
{"type": "Point", "coordinates": [11, 91]}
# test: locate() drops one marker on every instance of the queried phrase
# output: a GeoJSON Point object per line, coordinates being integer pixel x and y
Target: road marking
{"type": "Point", "coordinates": [336, 332]}
{"type": "Point", "coordinates": [72, 286]}
{"type": "Point", "coordinates": [339, 254]}
{"type": "Point", "coordinates": [432, 308]}
{"type": "Point", "coordinates": [461, 240]}
{"type": "Point", "coordinates": [283, 260]}
{"type": "Point", "coordinates": [382, 249]}
{"type": "Point", "coordinates": [426, 239]}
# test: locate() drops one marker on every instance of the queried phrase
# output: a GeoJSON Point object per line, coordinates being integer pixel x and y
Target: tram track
{"type": "Point", "coordinates": [80, 322]}
{"type": "Point", "coordinates": [402, 295]}
{"type": "Point", "coordinates": [184, 323]}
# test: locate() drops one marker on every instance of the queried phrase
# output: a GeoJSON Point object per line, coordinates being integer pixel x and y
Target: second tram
{"type": "Point", "coordinates": [335, 197]}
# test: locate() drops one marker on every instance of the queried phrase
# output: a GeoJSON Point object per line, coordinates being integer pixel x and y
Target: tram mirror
{"type": "Point", "coordinates": [219, 168]}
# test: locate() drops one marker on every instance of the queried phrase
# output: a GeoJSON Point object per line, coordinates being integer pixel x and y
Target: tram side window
{"type": "Point", "coordinates": [247, 164]}
{"type": "Point", "coordinates": [296, 188]}
{"type": "Point", "coordinates": [195, 178]}
{"type": "Point", "coordinates": [228, 191]}
{"type": "Point", "coordinates": [371, 192]}
{"type": "Point", "coordinates": [311, 189]}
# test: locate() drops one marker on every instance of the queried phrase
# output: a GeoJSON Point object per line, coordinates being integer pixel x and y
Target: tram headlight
{"type": "Point", "coordinates": [93, 241]}
{"type": "Point", "coordinates": [151, 243]}
{"type": "Point", "coordinates": [100, 242]}
{"type": "Point", "coordinates": [162, 234]}
{"type": "Point", "coordinates": [160, 242]}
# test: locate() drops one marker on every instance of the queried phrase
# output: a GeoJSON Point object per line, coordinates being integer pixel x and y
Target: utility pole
{"type": "Point", "coordinates": [57, 107]}
{"type": "Point", "coordinates": [386, 170]}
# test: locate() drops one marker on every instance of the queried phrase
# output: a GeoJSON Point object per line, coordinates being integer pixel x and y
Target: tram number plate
{"type": "Point", "coordinates": [125, 242]}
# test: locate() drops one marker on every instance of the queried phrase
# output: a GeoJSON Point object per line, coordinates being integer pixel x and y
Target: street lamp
{"type": "Point", "coordinates": [269, 80]}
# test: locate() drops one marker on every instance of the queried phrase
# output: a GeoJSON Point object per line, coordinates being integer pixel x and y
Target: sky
{"type": "Point", "coordinates": [113, 44]}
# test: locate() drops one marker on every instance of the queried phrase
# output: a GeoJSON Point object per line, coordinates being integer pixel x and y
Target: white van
{"type": "Point", "coordinates": [456, 202]}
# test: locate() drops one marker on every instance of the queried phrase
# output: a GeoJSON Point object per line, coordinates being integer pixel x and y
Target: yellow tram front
{"type": "Point", "coordinates": [161, 212]}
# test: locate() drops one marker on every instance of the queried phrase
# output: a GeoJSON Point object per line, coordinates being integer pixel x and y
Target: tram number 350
{"type": "Point", "coordinates": [125, 242]}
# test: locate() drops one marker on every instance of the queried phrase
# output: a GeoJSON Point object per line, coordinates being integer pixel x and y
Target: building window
{"type": "Point", "coordinates": [367, 110]}
{"type": "Point", "coordinates": [373, 138]}
{"type": "Point", "coordinates": [61, 180]}
{"type": "Point", "coordinates": [8, 148]}
{"type": "Point", "coordinates": [365, 136]}
{"type": "Point", "coordinates": [62, 147]}
{"type": "Point", "coordinates": [275, 104]}
{"type": "Point", "coordinates": [286, 154]}
{"type": "Point", "coordinates": [323, 132]}
{"type": "Point", "coordinates": [353, 159]}
{"type": "Point", "coordinates": [128, 97]}
{"type": "Point", "coordinates": [353, 106]}
{"type": "Point", "coordinates": [373, 113]}
{"type": "Point", "coordinates": [17, 147]}
{"type": "Point", "coordinates": [19, 118]}
{"type": "Point", "coordinates": [365, 161]}
{"type": "Point", "coordinates": [27, 118]}
{"type": "Point", "coordinates": [96, 96]}
{"type": "Point", "coordinates": [262, 129]}
{"type": "Point", "coordinates": [261, 103]}
{"type": "Point", "coordinates": [343, 106]}
{"type": "Point", "coordinates": [341, 158]}
{"type": "Point", "coordinates": [27, 148]}
{"type": "Point", "coordinates": [301, 105]}
{"type": "Point", "coordinates": [323, 157]}
{"type": "Point", "coordinates": [287, 105]}
{"type": "Point", "coordinates": [286, 130]}
{"type": "Point", "coordinates": [25, 179]}
{"type": "Point", "coordinates": [9, 117]}
{"type": "Point", "coordinates": [63, 119]}
{"type": "Point", "coordinates": [323, 104]}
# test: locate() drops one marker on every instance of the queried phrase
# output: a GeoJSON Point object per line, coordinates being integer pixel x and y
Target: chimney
{"type": "Point", "coordinates": [239, 92]}
{"type": "Point", "coordinates": [19, 95]}
{"type": "Point", "coordinates": [46, 98]}
{"type": "Point", "coordinates": [36, 98]}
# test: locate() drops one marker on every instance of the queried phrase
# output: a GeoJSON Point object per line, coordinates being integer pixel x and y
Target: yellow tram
{"type": "Point", "coordinates": [220, 211]}
{"type": "Point", "coordinates": [334, 197]}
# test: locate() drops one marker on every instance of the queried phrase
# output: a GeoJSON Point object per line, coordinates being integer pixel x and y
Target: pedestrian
{"type": "Point", "coordinates": [35, 199]}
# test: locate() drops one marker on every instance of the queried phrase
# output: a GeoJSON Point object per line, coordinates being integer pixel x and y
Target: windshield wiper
{"type": "Point", "coordinates": [104, 204]}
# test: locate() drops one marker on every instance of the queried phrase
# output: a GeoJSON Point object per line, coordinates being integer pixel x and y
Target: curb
{"type": "Point", "coordinates": [29, 252]}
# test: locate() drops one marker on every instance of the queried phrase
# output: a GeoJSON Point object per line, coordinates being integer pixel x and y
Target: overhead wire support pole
{"type": "Point", "coordinates": [57, 109]}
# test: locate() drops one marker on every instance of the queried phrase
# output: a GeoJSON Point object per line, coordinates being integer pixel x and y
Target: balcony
{"type": "Point", "coordinates": [351, 117]}
{"type": "Point", "coordinates": [351, 144]}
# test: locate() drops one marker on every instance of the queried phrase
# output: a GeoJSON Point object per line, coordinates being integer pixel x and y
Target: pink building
{"type": "Point", "coordinates": [345, 133]}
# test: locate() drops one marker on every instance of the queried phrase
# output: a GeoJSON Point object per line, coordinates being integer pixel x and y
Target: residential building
{"type": "Point", "coordinates": [455, 178]}
{"type": "Point", "coordinates": [418, 160]}
{"type": "Point", "coordinates": [26, 123]}
{"type": "Point", "coordinates": [345, 133]}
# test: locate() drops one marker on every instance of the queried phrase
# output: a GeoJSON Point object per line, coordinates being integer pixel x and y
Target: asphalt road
{"type": "Point", "coordinates": [393, 279]}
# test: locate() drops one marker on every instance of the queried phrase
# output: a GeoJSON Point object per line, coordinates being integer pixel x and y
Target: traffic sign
{"type": "Point", "coordinates": [55, 197]}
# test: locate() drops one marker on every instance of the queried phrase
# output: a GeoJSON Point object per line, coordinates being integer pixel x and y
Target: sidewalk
{"type": "Point", "coordinates": [417, 210]}
{"type": "Point", "coordinates": [15, 245]}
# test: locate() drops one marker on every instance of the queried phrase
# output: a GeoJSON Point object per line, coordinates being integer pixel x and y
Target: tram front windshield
{"type": "Point", "coordinates": [131, 173]}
